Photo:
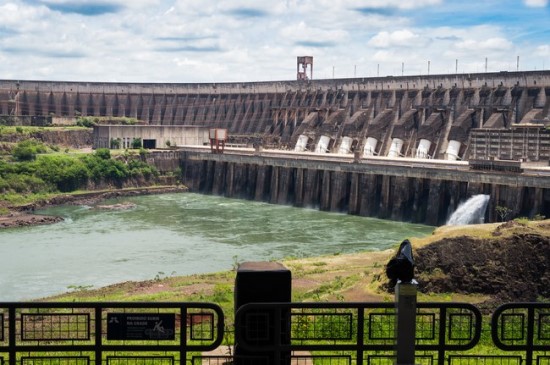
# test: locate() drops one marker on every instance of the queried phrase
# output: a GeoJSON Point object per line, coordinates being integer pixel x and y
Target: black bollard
{"type": "Point", "coordinates": [262, 282]}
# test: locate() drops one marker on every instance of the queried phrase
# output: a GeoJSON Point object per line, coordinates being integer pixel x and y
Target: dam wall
{"type": "Point", "coordinates": [409, 116]}
{"type": "Point", "coordinates": [402, 192]}
{"type": "Point", "coordinates": [399, 127]}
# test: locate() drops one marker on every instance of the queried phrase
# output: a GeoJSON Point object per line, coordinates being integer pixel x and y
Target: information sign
{"type": "Point", "coordinates": [141, 326]}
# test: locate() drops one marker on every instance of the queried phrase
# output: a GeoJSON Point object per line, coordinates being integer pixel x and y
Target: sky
{"type": "Point", "coordinates": [193, 41]}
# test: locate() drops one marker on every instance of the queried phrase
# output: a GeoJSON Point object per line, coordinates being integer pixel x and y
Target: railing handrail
{"type": "Point", "coordinates": [360, 344]}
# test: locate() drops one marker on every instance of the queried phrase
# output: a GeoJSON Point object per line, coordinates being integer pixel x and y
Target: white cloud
{"type": "Point", "coordinates": [543, 50]}
{"type": "Point", "coordinates": [342, 4]}
{"type": "Point", "coordinates": [404, 38]}
{"type": "Point", "coordinates": [240, 40]}
{"type": "Point", "coordinates": [473, 45]}
{"type": "Point", "coordinates": [305, 33]}
{"type": "Point", "coordinates": [536, 3]}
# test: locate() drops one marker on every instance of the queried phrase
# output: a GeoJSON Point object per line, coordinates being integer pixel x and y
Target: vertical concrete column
{"type": "Point", "coordinates": [274, 185]}
{"type": "Point", "coordinates": [260, 183]}
{"type": "Point", "coordinates": [325, 190]}
{"type": "Point", "coordinates": [353, 202]}
{"type": "Point", "coordinates": [284, 185]}
{"type": "Point", "coordinates": [299, 188]}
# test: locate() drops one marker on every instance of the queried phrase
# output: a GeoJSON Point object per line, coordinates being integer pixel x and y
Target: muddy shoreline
{"type": "Point", "coordinates": [23, 216]}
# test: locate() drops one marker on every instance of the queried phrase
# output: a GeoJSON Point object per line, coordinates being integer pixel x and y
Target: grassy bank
{"type": "Point", "coordinates": [350, 277]}
{"type": "Point", "coordinates": [339, 277]}
{"type": "Point", "coordinates": [34, 172]}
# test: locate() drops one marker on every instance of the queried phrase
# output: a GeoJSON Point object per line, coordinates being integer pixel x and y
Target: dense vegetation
{"type": "Point", "coordinates": [92, 121]}
{"type": "Point", "coordinates": [31, 170]}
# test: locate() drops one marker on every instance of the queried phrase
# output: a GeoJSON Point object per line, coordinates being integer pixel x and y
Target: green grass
{"type": "Point", "coordinates": [27, 130]}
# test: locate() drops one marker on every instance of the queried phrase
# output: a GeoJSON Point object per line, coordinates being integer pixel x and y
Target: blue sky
{"type": "Point", "coordinates": [238, 40]}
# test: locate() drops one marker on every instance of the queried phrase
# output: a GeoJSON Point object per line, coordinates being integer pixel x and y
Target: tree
{"type": "Point", "coordinates": [503, 212]}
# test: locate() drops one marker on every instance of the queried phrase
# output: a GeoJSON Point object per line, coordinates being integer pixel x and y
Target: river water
{"type": "Point", "coordinates": [175, 234]}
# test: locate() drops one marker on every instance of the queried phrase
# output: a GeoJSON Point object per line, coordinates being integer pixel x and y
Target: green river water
{"type": "Point", "coordinates": [176, 234]}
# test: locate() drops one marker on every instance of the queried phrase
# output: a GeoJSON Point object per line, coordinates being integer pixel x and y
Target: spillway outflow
{"type": "Point", "coordinates": [472, 211]}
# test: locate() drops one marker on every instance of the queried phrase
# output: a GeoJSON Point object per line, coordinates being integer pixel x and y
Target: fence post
{"type": "Point", "coordinates": [405, 302]}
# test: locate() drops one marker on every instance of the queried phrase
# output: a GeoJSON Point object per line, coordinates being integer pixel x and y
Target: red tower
{"type": "Point", "coordinates": [301, 68]}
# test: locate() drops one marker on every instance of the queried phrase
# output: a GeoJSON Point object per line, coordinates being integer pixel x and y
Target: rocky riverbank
{"type": "Point", "coordinates": [21, 219]}
{"type": "Point", "coordinates": [507, 262]}
{"type": "Point", "coordinates": [23, 216]}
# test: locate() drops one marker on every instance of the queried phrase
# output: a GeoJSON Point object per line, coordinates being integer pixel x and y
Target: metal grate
{"type": "Point", "coordinates": [55, 326]}
{"type": "Point", "coordinates": [460, 326]}
{"type": "Point", "coordinates": [484, 360]}
{"type": "Point", "coordinates": [201, 326]}
{"type": "Point", "coordinates": [322, 326]}
{"type": "Point", "coordinates": [390, 360]}
{"type": "Point", "coordinates": [140, 360]}
{"type": "Point", "coordinates": [381, 326]}
{"type": "Point", "coordinates": [425, 326]}
{"type": "Point", "coordinates": [52, 360]}
{"type": "Point", "coordinates": [512, 327]}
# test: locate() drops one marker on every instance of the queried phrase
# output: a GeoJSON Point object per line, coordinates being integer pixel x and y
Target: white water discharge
{"type": "Point", "coordinates": [472, 211]}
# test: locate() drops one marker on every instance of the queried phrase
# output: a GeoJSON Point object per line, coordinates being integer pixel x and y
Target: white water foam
{"type": "Point", "coordinates": [472, 211]}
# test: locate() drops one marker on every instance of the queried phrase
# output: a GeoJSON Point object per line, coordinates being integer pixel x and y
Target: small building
{"type": "Point", "coordinates": [150, 136]}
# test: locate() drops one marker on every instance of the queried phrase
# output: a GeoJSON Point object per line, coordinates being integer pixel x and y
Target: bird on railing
{"type": "Point", "coordinates": [401, 266]}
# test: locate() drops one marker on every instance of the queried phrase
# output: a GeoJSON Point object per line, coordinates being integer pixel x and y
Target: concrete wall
{"type": "Point", "coordinates": [175, 135]}
{"type": "Point", "coordinates": [437, 108]}
{"type": "Point", "coordinates": [418, 194]}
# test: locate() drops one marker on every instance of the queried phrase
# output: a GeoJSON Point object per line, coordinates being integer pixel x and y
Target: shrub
{"type": "Point", "coordinates": [522, 220]}
{"type": "Point", "coordinates": [20, 183]}
{"type": "Point", "coordinates": [27, 150]}
{"type": "Point", "coordinates": [142, 153]}
{"type": "Point", "coordinates": [67, 173]}
{"type": "Point", "coordinates": [115, 143]}
{"type": "Point", "coordinates": [136, 143]}
{"type": "Point", "coordinates": [87, 122]}
{"type": "Point", "coordinates": [103, 153]}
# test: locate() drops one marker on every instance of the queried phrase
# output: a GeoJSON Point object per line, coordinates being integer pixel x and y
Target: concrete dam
{"type": "Point", "coordinates": [405, 148]}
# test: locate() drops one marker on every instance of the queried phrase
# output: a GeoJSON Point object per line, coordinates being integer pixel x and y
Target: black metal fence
{"type": "Point", "coordinates": [268, 333]}
{"type": "Point", "coordinates": [107, 333]}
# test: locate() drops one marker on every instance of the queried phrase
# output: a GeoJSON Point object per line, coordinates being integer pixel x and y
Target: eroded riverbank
{"type": "Point", "coordinates": [23, 216]}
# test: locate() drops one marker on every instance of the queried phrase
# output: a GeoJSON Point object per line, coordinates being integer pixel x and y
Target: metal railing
{"type": "Point", "coordinates": [269, 333]}
{"type": "Point", "coordinates": [107, 333]}
{"type": "Point", "coordinates": [363, 332]}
